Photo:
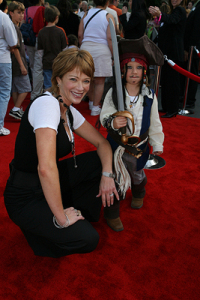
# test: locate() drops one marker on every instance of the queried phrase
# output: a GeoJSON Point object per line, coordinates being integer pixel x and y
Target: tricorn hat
{"type": "Point", "coordinates": [143, 50]}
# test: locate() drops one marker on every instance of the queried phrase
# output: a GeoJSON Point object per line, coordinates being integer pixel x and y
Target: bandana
{"type": "Point", "coordinates": [127, 57]}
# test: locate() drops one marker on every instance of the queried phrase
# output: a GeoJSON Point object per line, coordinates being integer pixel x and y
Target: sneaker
{"type": "Point", "coordinates": [16, 114]}
{"type": "Point", "coordinates": [95, 111]}
{"type": "Point", "coordinates": [4, 131]}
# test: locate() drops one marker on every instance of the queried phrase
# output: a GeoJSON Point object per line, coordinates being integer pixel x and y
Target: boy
{"type": "Point", "coordinates": [52, 40]}
{"type": "Point", "coordinates": [20, 80]}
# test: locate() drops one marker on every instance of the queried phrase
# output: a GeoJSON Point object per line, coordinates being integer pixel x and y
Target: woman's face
{"type": "Point", "coordinates": [73, 86]}
{"type": "Point", "coordinates": [130, 4]}
{"type": "Point", "coordinates": [134, 73]}
{"type": "Point", "coordinates": [175, 3]}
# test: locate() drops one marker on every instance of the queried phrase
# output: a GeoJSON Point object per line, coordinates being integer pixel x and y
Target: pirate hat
{"type": "Point", "coordinates": [142, 50]}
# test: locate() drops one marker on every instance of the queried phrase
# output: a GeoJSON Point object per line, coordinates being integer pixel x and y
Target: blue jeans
{"type": "Point", "coordinates": [5, 89]}
{"type": "Point", "coordinates": [47, 78]}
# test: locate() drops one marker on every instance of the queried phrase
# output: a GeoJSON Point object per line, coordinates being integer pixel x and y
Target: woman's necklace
{"type": "Point", "coordinates": [68, 129]}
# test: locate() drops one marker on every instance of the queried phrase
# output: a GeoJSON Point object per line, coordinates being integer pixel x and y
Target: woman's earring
{"type": "Point", "coordinates": [57, 85]}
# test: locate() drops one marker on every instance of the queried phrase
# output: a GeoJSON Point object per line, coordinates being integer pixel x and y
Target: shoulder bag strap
{"type": "Point", "coordinates": [92, 18]}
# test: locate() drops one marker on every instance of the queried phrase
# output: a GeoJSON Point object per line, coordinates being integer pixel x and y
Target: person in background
{"type": "Point", "coordinates": [53, 200]}
{"type": "Point", "coordinates": [8, 41]}
{"type": "Point", "coordinates": [190, 5]}
{"type": "Point", "coordinates": [68, 20]}
{"type": "Point", "coordinates": [51, 40]}
{"type": "Point", "coordinates": [72, 41]}
{"type": "Point", "coordinates": [171, 43]}
{"type": "Point", "coordinates": [84, 9]}
{"type": "Point", "coordinates": [114, 14]}
{"type": "Point", "coordinates": [114, 5]}
{"type": "Point", "coordinates": [35, 59]}
{"type": "Point", "coordinates": [94, 36]}
{"type": "Point", "coordinates": [136, 26]}
{"type": "Point", "coordinates": [192, 38]}
{"type": "Point", "coordinates": [4, 6]}
{"type": "Point", "coordinates": [20, 80]}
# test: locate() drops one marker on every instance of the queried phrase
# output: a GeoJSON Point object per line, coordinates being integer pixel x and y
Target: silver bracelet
{"type": "Point", "coordinates": [57, 225]}
{"type": "Point", "coordinates": [106, 174]}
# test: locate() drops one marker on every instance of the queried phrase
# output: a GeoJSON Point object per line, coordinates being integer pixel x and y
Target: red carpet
{"type": "Point", "coordinates": [155, 257]}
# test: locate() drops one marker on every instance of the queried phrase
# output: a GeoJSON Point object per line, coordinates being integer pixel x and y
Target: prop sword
{"type": "Point", "coordinates": [120, 100]}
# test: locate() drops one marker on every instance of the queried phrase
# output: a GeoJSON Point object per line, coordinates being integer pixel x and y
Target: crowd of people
{"type": "Point", "coordinates": [70, 58]}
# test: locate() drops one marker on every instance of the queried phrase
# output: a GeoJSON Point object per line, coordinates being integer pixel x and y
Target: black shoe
{"type": "Point", "coordinates": [169, 115]}
{"type": "Point", "coordinates": [16, 114]}
{"type": "Point", "coordinates": [190, 106]}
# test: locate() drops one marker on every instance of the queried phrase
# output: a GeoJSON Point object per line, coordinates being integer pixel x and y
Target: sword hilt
{"type": "Point", "coordinates": [126, 114]}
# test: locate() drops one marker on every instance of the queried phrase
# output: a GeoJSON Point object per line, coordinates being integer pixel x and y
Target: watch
{"type": "Point", "coordinates": [106, 174]}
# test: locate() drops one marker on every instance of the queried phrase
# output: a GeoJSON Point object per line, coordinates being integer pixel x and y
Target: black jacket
{"type": "Point", "coordinates": [135, 27]}
{"type": "Point", "coordinates": [171, 34]}
{"type": "Point", "coordinates": [192, 30]}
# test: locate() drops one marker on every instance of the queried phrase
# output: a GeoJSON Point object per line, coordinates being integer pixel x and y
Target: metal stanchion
{"type": "Point", "coordinates": [157, 81]}
{"type": "Point", "coordinates": [184, 111]}
{"type": "Point", "coordinates": [154, 161]}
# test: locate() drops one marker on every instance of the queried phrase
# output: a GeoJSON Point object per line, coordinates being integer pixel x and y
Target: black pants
{"type": "Point", "coordinates": [170, 88]}
{"type": "Point", "coordinates": [28, 208]}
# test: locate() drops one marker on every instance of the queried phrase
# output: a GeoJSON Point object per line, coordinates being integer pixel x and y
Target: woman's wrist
{"type": "Point", "coordinates": [108, 174]}
{"type": "Point", "coordinates": [59, 225]}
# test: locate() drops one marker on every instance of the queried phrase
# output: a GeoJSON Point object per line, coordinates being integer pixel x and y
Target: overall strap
{"type": "Point", "coordinates": [92, 18]}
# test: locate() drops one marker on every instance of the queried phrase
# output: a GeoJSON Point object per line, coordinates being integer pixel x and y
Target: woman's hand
{"type": "Point", "coordinates": [119, 122]}
{"type": "Point", "coordinates": [73, 214]}
{"type": "Point", "coordinates": [107, 190]}
{"type": "Point", "coordinates": [154, 11]}
{"type": "Point", "coordinates": [124, 10]}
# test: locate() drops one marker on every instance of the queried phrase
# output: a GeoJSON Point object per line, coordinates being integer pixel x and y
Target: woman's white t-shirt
{"type": "Point", "coordinates": [45, 113]}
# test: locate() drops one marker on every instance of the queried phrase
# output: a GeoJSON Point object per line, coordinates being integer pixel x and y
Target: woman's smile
{"type": "Point", "coordinates": [73, 86]}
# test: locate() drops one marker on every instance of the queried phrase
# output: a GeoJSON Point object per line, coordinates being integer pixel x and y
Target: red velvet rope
{"type": "Point", "coordinates": [185, 73]}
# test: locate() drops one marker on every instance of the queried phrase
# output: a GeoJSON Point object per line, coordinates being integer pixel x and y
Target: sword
{"type": "Point", "coordinates": [120, 100]}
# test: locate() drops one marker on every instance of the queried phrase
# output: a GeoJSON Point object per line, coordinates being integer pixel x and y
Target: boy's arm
{"type": "Point", "coordinates": [18, 58]}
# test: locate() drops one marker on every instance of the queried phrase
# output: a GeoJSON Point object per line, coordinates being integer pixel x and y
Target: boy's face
{"type": "Point", "coordinates": [17, 16]}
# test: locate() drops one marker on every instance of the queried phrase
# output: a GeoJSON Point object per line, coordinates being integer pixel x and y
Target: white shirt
{"type": "Point", "coordinates": [156, 136]}
{"type": "Point", "coordinates": [8, 37]}
{"type": "Point", "coordinates": [96, 30]}
{"type": "Point", "coordinates": [45, 113]}
{"type": "Point", "coordinates": [114, 14]}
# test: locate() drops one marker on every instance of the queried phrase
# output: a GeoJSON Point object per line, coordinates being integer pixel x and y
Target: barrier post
{"type": "Point", "coordinates": [157, 81]}
{"type": "Point", "coordinates": [184, 111]}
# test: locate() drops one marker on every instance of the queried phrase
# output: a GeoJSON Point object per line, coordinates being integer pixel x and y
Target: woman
{"type": "Point", "coordinates": [94, 36]}
{"type": "Point", "coordinates": [135, 27]}
{"type": "Point", "coordinates": [67, 20]}
{"type": "Point", "coordinates": [171, 42]}
{"type": "Point", "coordinates": [51, 200]}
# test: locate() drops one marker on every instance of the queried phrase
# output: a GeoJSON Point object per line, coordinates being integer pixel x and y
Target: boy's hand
{"type": "Point", "coordinates": [157, 153]}
{"type": "Point", "coordinates": [119, 122]}
{"type": "Point", "coordinates": [23, 70]}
